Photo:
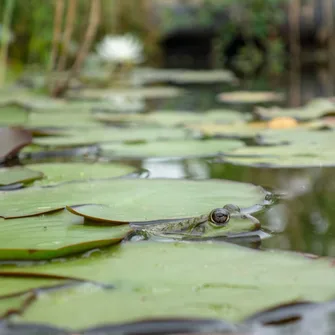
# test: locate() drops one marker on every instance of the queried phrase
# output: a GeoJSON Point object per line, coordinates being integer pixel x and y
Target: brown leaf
{"type": "Point", "coordinates": [12, 140]}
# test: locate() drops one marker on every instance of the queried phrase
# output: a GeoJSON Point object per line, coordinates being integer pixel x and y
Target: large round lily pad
{"type": "Point", "coordinates": [175, 149]}
{"type": "Point", "coordinates": [158, 92]}
{"type": "Point", "coordinates": [18, 174]}
{"type": "Point", "coordinates": [250, 97]}
{"type": "Point", "coordinates": [298, 136]}
{"type": "Point", "coordinates": [13, 114]}
{"type": "Point", "coordinates": [53, 235]}
{"type": "Point", "coordinates": [134, 199]}
{"type": "Point", "coordinates": [104, 134]}
{"type": "Point", "coordinates": [284, 161]}
{"type": "Point", "coordinates": [182, 76]}
{"type": "Point", "coordinates": [55, 173]}
{"type": "Point", "coordinates": [313, 110]}
{"type": "Point", "coordinates": [179, 280]}
{"type": "Point", "coordinates": [175, 118]}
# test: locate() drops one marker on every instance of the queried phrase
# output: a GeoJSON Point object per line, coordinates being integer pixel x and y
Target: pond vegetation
{"type": "Point", "coordinates": [144, 200]}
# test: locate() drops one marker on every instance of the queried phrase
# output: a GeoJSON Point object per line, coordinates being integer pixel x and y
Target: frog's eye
{"type": "Point", "coordinates": [219, 216]}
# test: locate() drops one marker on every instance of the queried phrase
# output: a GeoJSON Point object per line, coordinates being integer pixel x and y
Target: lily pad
{"type": "Point", "coordinates": [313, 110]}
{"type": "Point", "coordinates": [250, 97]}
{"type": "Point", "coordinates": [175, 118]}
{"type": "Point", "coordinates": [12, 140]}
{"type": "Point", "coordinates": [134, 200]}
{"type": "Point", "coordinates": [300, 136]}
{"type": "Point", "coordinates": [307, 149]}
{"type": "Point", "coordinates": [61, 119]}
{"type": "Point", "coordinates": [182, 76]}
{"type": "Point", "coordinates": [237, 130]}
{"type": "Point", "coordinates": [18, 174]}
{"type": "Point", "coordinates": [53, 235]}
{"type": "Point", "coordinates": [56, 173]}
{"type": "Point", "coordinates": [220, 281]}
{"type": "Point", "coordinates": [141, 92]}
{"type": "Point", "coordinates": [293, 162]}
{"type": "Point", "coordinates": [76, 138]}
{"type": "Point", "coordinates": [168, 149]}
{"type": "Point", "coordinates": [13, 115]}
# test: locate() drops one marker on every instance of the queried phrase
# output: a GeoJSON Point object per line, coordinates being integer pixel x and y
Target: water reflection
{"type": "Point", "coordinates": [305, 220]}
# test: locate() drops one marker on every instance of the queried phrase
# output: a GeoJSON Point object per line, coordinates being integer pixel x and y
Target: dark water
{"type": "Point", "coordinates": [304, 222]}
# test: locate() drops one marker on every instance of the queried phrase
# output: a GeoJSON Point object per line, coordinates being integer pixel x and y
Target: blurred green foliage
{"type": "Point", "coordinates": [32, 26]}
{"type": "Point", "coordinates": [251, 20]}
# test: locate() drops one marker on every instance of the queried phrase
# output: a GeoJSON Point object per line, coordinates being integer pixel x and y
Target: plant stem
{"type": "Point", "coordinates": [57, 32]}
{"type": "Point", "coordinates": [69, 25]}
{"type": "Point", "coordinates": [93, 23]}
{"type": "Point", "coordinates": [7, 18]}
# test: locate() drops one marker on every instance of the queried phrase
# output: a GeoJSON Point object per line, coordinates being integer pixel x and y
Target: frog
{"type": "Point", "coordinates": [220, 222]}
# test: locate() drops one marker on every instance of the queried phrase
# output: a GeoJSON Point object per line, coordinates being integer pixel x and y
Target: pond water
{"type": "Point", "coordinates": [305, 221]}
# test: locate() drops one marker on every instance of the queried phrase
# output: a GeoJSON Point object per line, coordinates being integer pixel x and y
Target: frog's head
{"type": "Point", "coordinates": [225, 221]}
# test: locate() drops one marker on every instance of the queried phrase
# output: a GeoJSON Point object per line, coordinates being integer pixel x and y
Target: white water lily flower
{"type": "Point", "coordinates": [121, 49]}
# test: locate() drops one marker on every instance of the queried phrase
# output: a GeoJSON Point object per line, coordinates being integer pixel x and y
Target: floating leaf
{"type": "Point", "coordinates": [134, 200]}
{"type": "Point", "coordinates": [61, 118]}
{"type": "Point", "coordinates": [53, 235]}
{"type": "Point", "coordinates": [174, 118]}
{"type": "Point", "coordinates": [104, 134]}
{"type": "Point", "coordinates": [13, 115]}
{"type": "Point", "coordinates": [300, 136]}
{"type": "Point", "coordinates": [175, 149]}
{"type": "Point", "coordinates": [237, 130]}
{"type": "Point", "coordinates": [182, 76]}
{"type": "Point", "coordinates": [250, 97]}
{"type": "Point", "coordinates": [12, 140]}
{"type": "Point", "coordinates": [220, 281]}
{"type": "Point", "coordinates": [56, 173]}
{"type": "Point", "coordinates": [141, 92]}
{"type": "Point", "coordinates": [313, 110]}
{"type": "Point", "coordinates": [322, 160]}
{"type": "Point", "coordinates": [18, 174]}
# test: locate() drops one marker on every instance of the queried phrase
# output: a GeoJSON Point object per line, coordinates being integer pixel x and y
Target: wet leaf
{"type": "Point", "coordinates": [302, 149]}
{"type": "Point", "coordinates": [180, 76]}
{"type": "Point", "coordinates": [300, 136]}
{"type": "Point", "coordinates": [175, 118]}
{"type": "Point", "coordinates": [168, 149]}
{"type": "Point", "coordinates": [12, 140]}
{"type": "Point", "coordinates": [141, 92]}
{"type": "Point", "coordinates": [53, 235]}
{"type": "Point", "coordinates": [134, 199]}
{"type": "Point", "coordinates": [13, 115]}
{"type": "Point", "coordinates": [219, 280]}
{"type": "Point", "coordinates": [237, 130]}
{"type": "Point", "coordinates": [18, 174]}
{"type": "Point", "coordinates": [56, 173]}
{"type": "Point", "coordinates": [250, 97]}
{"type": "Point", "coordinates": [313, 110]}
{"type": "Point", "coordinates": [86, 137]}
{"type": "Point", "coordinates": [285, 161]}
